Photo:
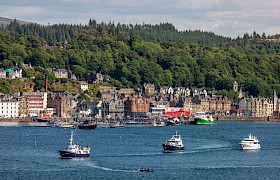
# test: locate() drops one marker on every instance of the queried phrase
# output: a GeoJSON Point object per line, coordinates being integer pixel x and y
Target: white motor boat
{"type": "Point", "coordinates": [159, 124]}
{"type": "Point", "coordinates": [250, 143]}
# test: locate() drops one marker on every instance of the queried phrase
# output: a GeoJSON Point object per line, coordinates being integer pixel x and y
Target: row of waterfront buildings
{"type": "Point", "coordinates": [123, 103]}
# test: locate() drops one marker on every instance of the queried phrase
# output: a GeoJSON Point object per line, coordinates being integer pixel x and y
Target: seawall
{"type": "Point", "coordinates": [247, 118]}
{"type": "Point", "coordinates": [216, 118]}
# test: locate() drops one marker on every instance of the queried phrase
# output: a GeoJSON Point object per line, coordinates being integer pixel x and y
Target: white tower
{"type": "Point", "coordinates": [235, 86]}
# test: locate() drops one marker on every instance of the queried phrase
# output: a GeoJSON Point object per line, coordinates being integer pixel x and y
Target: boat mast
{"type": "Point", "coordinates": [72, 138]}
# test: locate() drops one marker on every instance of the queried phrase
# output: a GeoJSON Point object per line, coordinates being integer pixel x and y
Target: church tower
{"type": "Point", "coordinates": [275, 101]}
{"type": "Point", "coordinates": [235, 86]}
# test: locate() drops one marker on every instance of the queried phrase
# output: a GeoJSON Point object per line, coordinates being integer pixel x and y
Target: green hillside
{"type": "Point", "coordinates": [134, 55]}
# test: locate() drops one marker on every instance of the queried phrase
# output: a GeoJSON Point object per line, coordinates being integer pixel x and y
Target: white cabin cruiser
{"type": "Point", "coordinates": [250, 143]}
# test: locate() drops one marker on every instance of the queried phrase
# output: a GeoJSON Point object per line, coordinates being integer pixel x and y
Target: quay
{"type": "Point", "coordinates": [31, 122]}
{"type": "Point", "coordinates": [247, 118]}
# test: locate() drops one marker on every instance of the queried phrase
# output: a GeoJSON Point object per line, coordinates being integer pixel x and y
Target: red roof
{"type": "Point", "coordinates": [177, 113]}
{"type": "Point", "coordinates": [187, 113]}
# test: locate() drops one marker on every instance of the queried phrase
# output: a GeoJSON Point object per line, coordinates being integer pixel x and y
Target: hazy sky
{"type": "Point", "coordinates": [223, 17]}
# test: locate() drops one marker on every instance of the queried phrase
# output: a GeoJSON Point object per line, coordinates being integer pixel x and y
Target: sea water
{"type": "Point", "coordinates": [211, 152]}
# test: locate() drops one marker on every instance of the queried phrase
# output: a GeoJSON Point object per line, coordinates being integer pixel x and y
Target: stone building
{"type": "Point", "coordinates": [94, 77]}
{"type": "Point", "coordinates": [22, 106]}
{"type": "Point", "coordinates": [214, 104]}
{"type": "Point", "coordinates": [60, 73]}
{"type": "Point", "coordinates": [149, 89]}
{"type": "Point", "coordinates": [126, 92]}
{"type": "Point", "coordinates": [106, 93]}
{"type": "Point", "coordinates": [182, 91]}
{"type": "Point", "coordinates": [136, 107]}
{"type": "Point", "coordinates": [261, 107]}
{"type": "Point", "coordinates": [258, 107]}
{"type": "Point", "coordinates": [276, 104]}
{"type": "Point", "coordinates": [64, 102]}
{"type": "Point", "coordinates": [116, 108]}
{"type": "Point", "coordinates": [163, 90]}
{"type": "Point", "coordinates": [2, 73]}
{"type": "Point", "coordinates": [98, 78]}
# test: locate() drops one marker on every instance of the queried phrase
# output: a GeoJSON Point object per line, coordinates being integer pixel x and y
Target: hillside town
{"type": "Point", "coordinates": [117, 104]}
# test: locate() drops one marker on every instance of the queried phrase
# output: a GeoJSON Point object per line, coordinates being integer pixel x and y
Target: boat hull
{"type": "Point", "coordinates": [250, 146]}
{"type": "Point", "coordinates": [86, 126]}
{"type": "Point", "coordinates": [159, 124]}
{"type": "Point", "coordinates": [146, 170]}
{"type": "Point", "coordinates": [170, 149]}
{"type": "Point", "coordinates": [116, 126]}
{"type": "Point", "coordinates": [67, 154]}
{"type": "Point", "coordinates": [200, 121]}
{"type": "Point", "coordinates": [170, 123]}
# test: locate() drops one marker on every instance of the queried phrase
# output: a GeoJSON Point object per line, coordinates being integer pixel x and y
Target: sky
{"type": "Point", "coordinates": [230, 18]}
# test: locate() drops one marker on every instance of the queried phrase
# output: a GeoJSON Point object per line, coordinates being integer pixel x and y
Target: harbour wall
{"type": "Point", "coordinates": [216, 118]}
{"type": "Point", "coordinates": [247, 118]}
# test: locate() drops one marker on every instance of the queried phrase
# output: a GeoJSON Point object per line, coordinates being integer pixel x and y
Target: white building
{"type": "Point", "coordinates": [8, 107]}
{"type": "Point", "coordinates": [84, 86]}
{"type": "Point", "coordinates": [158, 108]}
{"type": "Point", "coordinates": [17, 73]}
{"type": "Point", "coordinates": [90, 109]}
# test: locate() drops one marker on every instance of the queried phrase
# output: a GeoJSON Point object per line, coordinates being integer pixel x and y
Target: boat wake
{"type": "Point", "coordinates": [142, 154]}
{"type": "Point", "coordinates": [214, 146]}
{"type": "Point", "coordinates": [93, 165]}
{"type": "Point", "coordinates": [145, 154]}
{"type": "Point", "coordinates": [208, 148]}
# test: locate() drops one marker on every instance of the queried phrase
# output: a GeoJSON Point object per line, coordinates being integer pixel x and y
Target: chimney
{"type": "Point", "coordinates": [46, 84]}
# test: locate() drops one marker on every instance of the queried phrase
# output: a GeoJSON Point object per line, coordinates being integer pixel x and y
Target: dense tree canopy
{"type": "Point", "coordinates": [132, 55]}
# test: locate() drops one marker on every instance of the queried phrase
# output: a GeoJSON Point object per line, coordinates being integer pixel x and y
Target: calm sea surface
{"type": "Point", "coordinates": [211, 152]}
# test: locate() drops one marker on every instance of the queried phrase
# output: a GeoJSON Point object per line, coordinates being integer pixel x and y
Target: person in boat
{"type": "Point", "coordinates": [142, 169]}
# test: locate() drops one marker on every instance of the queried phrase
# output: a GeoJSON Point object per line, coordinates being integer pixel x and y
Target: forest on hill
{"type": "Point", "coordinates": [132, 55]}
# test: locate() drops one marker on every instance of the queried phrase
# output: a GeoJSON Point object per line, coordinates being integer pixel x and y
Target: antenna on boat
{"type": "Point", "coordinates": [74, 131]}
{"type": "Point", "coordinates": [35, 143]}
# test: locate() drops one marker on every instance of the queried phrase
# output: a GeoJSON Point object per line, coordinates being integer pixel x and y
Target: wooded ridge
{"type": "Point", "coordinates": [131, 55]}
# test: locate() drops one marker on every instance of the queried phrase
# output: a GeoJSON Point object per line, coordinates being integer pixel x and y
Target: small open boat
{"type": "Point", "coordinates": [142, 169]}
